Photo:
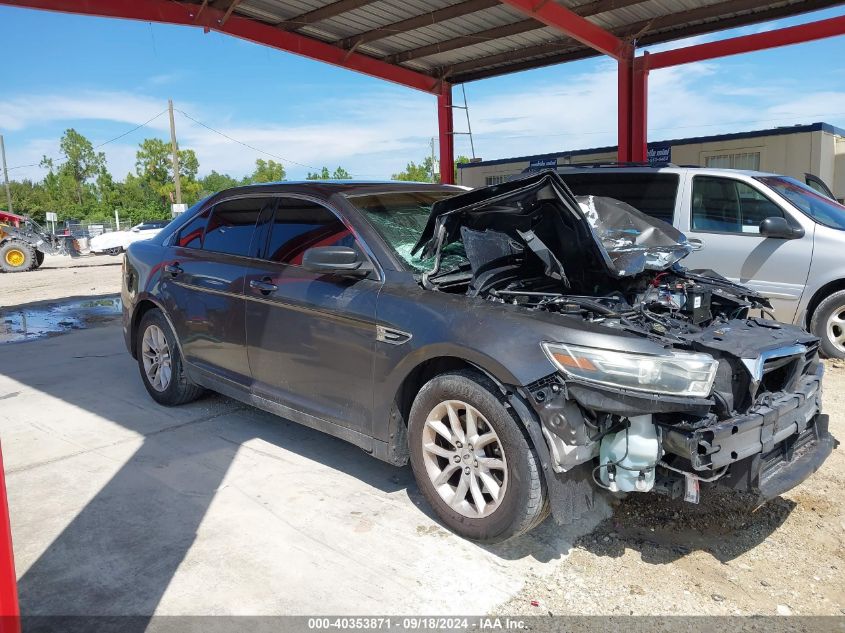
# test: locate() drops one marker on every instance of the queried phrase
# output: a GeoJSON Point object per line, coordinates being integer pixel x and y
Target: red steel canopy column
{"type": "Point", "coordinates": [636, 91]}
{"type": "Point", "coordinates": [445, 122]}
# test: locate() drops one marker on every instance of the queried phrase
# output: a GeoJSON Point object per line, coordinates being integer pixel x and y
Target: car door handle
{"type": "Point", "coordinates": [696, 243]}
{"type": "Point", "coordinates": [173, 269]}
{"type": "Point", "coordinates": [264, 286]}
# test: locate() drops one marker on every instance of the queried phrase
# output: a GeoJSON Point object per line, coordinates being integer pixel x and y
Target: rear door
{"type": "Point", "coordinates": [724, 214]}
{"type": "Point", "coordinates": [311, 337]}
{"type": "Point", "coordinates": [203, 285]}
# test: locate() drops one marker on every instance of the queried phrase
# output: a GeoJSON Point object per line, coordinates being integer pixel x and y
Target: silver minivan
{"type": "Point", "coordinates": [775, 234]}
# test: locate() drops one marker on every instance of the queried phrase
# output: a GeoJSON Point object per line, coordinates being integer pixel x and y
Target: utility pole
{"type": "Point", "coordinates": [434, 169]}
{"type": "Point", "coordinates": [6, 174]}
{"type": "Point", "coordinates": [175, 150]}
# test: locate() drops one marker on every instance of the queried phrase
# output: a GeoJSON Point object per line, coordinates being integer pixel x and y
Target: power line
{"type": "Point", "coordinates": [104, 143]}
{"type": "Point", "coordinates": [247, 145]}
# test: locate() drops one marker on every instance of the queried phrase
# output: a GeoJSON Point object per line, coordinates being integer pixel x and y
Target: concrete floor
{"type": "Point", "coordinates": [120, 506]}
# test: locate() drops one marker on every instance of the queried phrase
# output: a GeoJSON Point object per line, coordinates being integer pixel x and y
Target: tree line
{"type": "Point", "coordinates": [80, 187]}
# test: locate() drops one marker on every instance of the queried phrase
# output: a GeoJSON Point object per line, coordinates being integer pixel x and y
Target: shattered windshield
{"type": "Point", "coordinates": [400, 217]}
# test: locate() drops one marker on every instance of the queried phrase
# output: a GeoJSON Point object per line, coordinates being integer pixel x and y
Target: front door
{"type": "Point", "coordinates": [725, 215]}
{"type": "Point", "coordinates": [311, 337]}
{"type": "Point", "coordinates": [203, 286]}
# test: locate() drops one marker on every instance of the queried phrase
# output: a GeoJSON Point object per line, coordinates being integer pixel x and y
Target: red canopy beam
{"type": "Point", "coordinates": [169, 12]}
{"type": "Point", "coordinates": [749, 43]}
{"type": "Point", "coordinates": [570, 23]}
{"type": "Point", "coordinates": [445, 122]}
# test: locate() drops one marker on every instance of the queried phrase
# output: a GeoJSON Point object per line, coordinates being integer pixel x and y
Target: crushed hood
{"type": "Point", "coordinates": [536, 222]}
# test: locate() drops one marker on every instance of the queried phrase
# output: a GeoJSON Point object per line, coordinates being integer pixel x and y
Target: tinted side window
{"type": "Point", "coordinates": [299, 225]}
{"type": "Point", "coordinates": [727, 205]}
{"type": "Point", "coordinates": [652, 193]}
{"type": "Point", "coordinates": [232, 225]}
{"type": "Point", "coordinates": [190, 236]}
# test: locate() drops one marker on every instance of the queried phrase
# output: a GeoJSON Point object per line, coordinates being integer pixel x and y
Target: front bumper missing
{"type": "Point", "coordinates": [766, 452]}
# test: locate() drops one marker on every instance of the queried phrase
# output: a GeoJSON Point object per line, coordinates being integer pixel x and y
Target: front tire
{"type": "Point", "coordinates": [828, 323]}
{"type": "Point", "coordinates": [472, 461]}
{"type": "Point", "coordinates": [17, 257]}
{"type": "Point", "coordinates": [160, 362]}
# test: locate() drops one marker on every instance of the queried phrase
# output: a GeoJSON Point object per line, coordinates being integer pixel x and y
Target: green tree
{"type": "Point", "coordinates": [460, 160]}
{"type": "Point", "coordinates": [321, 175]}
{"type": "Point", "coordinates": [266, 171]}
{"type": "Point", "coordinates": [341, 174]}
{"type": "Point", "coordinates": [153, 164]}
{"type": "Point", "coordinates": [424, 172]}
{"type": "Point", "coordinates": [215, 182]}
{"type": "Point", "coordinates": [81, 163]}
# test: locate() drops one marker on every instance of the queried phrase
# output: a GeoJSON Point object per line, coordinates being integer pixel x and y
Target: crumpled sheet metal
{"type": "Point", "coordinates": [608, 232]}
{"type": "Point", "coordinates": [634, 241]}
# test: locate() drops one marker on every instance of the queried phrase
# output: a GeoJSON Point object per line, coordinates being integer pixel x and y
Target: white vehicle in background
{"type": "Point", "coordinates": [115, 242]}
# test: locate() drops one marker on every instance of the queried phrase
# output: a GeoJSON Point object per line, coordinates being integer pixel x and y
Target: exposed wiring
{"type": "Point", "coordinates": [693, 475]}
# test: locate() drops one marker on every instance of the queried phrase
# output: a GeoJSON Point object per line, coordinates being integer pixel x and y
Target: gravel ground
{"type": "Point", "coordinates": [61, 277]}
{"type": "Point", "coordinates": [722, 557]}
{"type": "Point", "coordinates": [653, 556]}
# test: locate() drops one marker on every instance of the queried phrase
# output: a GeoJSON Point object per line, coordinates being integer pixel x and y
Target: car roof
{"type": "Point", "coordinates": [344, 187]}
{"type": "Point", "coordinates": [667, 169]}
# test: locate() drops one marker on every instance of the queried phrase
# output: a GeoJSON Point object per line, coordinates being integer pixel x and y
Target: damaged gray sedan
{"type": "Point", "coordinates": [520, 347]}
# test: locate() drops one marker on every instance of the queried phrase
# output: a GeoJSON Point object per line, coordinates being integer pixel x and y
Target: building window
{"type": "Point", "coordinates": [743, 160]}
{"type": "Point", "coordinates": [494, 180]}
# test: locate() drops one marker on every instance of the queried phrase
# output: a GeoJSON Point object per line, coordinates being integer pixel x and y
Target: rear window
{"type": "Point", "coordinates": [653, 194]}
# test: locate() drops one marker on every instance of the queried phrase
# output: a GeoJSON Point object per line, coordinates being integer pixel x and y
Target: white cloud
{"type": "Point", "coordinates": [22, 112]}
{"type": "Point", "coordinates": [376, 134]}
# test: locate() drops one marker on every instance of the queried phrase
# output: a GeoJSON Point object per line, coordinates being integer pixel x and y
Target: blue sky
{"type": "Point", "coordinates": [104, 77]}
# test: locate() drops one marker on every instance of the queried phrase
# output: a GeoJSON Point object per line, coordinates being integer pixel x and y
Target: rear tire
{"type": "Point", "coordinates": [160, 362]}
{"type": "Point", "coordinates": [828, 323]}
{"type": "Point", "coordinates": [17, 257]}
{"type": "Point", "coordinates": [490, 491]}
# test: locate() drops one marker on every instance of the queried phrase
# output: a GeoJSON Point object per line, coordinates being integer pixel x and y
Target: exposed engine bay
{"type": "Point", "coordinates": [728, 395]}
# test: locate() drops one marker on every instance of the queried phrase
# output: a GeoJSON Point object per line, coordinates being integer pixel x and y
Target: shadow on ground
{"type": "Point", "coordinates": [122, 550]}
{"type": "Point", "coordinates": [726, 524]}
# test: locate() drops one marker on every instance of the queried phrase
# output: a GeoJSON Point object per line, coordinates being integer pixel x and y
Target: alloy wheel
{"type": "Point", "coordinates": [156, 357]}
{"type": "Point", "coordinates": [836, 328]}
{"type": "Point", "coordinates": [464, 459]}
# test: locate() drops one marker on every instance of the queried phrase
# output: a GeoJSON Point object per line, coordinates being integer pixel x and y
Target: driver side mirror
{"type": "Point", "coordinates": [329, 260]}
{"type": "Point", "coordinates": [781, 229]}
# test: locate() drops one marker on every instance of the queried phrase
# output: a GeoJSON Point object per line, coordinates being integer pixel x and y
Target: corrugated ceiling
{"type": "Point", "coordinates": [465, 40]}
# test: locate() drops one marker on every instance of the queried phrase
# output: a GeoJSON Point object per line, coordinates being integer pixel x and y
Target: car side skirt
{"type": "Point", "coordinates": [243, 394]}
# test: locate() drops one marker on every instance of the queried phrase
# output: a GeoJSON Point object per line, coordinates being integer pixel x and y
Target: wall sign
{"type": "Point", "coordinates": [659, 153]}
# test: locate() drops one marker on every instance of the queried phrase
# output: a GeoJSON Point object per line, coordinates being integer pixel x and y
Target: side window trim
{"type": "Point", "coordinates": [363, 247]}
{"type": "Point", "coordinates": [734, 181]}
{"type": "Point", "coordinates": [255, 228]}
{"type": "Point", "coordinates": [173, 238]}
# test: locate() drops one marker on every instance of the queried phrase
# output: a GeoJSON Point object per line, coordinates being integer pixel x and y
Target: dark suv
{"type": "Point", "coordinates": [518, 345]}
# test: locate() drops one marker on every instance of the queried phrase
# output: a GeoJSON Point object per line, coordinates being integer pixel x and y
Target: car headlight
{"type": "Point", "coordinates": [676, 373]}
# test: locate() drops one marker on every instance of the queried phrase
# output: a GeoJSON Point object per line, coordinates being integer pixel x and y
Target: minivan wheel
{"type": "Point", "coordinates": [160, 362]}
{"type": "Point", "coordinates": [472, 461]}
{"type": "Point", "coordinates": [828, 323]}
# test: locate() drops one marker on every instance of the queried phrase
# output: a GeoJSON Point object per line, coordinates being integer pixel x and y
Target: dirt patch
{"type": "Point", "coordinates": [61, 277]}
{"type": "Point", "coordinates": [725, 556]}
